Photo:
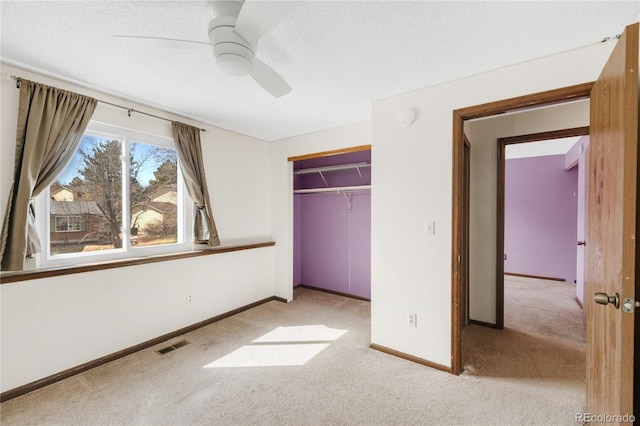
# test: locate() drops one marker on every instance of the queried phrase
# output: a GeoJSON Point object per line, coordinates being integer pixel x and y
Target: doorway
{"type": "Point", "coordinates": [613, 189]}
{"type": "Point", "coordinates": [533, 308]}
{"type": "Point", "coordinates": [460, 262]}
{"type": "Point", "coordinates": [538, 265]}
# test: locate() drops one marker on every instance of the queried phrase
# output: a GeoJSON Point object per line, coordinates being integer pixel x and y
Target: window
{"type": "Point", "coordinates": [68, 223]}
{"type": "Point", "coordinates": [120, 196]}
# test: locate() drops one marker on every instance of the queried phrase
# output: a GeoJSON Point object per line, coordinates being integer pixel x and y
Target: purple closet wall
{"type": "Point", "coordinates": [541, 211]}
{"type": "Point", "coordinates": [328, 253]}
{"type": "Point", "coordinates": [297, 240]}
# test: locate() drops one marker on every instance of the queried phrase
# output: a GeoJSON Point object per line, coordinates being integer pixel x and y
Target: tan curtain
{"type": "Point", "coordinates": [51, 123]}
{"type": "Point", "coordinates": [187, 140]}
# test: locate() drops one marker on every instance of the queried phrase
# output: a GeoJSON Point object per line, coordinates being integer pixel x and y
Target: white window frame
{"type": "Point", "coordinates": [184, 210]}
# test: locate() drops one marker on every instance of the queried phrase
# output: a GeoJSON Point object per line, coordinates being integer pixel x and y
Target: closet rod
{"type": "Point", "coordinates": [332, 168]}
{"type": "Point", "coordinates": [337, 189]}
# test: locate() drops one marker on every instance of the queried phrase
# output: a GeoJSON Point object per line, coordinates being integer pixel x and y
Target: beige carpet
{"type": "Point", "coordinates": [525, 374]}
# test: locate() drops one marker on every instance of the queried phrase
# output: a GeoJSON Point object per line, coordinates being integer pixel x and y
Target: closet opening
{"type": "Point", "coordinates": [332, 222]}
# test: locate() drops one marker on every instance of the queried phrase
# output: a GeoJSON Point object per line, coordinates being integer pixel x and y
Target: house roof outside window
{"type": "Point", "coordinates": [74, 207]}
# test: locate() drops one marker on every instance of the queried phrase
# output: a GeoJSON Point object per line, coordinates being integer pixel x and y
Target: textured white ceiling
{"type": "Point", "coordinates": [338, 55]}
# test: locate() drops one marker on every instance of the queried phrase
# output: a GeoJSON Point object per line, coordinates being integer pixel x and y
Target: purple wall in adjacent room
{"type": "Point", "coordinates": [322, 257]}
{"type": "Point", "coordinates": [541, 217]}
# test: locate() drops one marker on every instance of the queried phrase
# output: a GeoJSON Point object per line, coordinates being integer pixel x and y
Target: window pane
{"type": "Point", "coordinates": [86, 201]}
{"type": "Point", "coordinates": [69, 223]}
{"type": "Point", "coordinates": [154, 190]}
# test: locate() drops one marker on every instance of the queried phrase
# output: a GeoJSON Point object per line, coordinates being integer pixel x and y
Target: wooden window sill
{"type": "Point", "coordinates": [12, 277]}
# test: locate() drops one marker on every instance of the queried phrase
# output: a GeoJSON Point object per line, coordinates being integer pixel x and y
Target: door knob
{"type": "Point", "coordinates": [605, 299]}
{"type": "Point", "coordinates": [581, 243]}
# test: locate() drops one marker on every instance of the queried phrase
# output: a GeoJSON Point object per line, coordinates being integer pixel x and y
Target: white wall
{"type": "Point", "coordinates": [483, 135]}
{"type": "Point", "coordinates": [282, 189]}
{"type": "Point", "coordinates": [49, 325]}
{"type": "Point", "coordinates": [411, 271]}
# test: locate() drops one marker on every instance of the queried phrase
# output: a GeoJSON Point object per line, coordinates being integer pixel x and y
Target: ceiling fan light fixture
{"type": "Point", "coordinates": [234, 30]}
{"type": "Point", "coordinates": [233, 64]}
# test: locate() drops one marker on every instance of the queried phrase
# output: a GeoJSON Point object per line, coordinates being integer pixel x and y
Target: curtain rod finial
{"type": "Point", "coordinates": [18, 81]}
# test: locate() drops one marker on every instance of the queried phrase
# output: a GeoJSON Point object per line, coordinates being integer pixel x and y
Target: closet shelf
{"type": "Point", "coordinates": [357, 166]}
{"type": "Point", "coordinates": [321, 170]}
{"type": "Point", "coordinates": [338, 189]}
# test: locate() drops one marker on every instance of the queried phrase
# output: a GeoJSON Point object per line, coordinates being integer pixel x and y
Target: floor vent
{"type": "Point", "coordinates": [173, 347]}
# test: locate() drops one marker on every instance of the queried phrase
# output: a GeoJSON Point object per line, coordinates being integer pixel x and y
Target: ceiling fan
{"type": "Point", "coordinates": [234, 30]}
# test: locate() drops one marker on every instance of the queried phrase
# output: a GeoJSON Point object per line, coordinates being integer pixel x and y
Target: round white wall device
{"type": "Point", "coordinates": [406, 117]}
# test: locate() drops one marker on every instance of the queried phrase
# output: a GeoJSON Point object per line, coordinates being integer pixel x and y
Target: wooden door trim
{"type": "Point", "coordinates": [534, 100]}
{"type": "Point", "coordinates": [466, 227]}
{"type": "Point", "coordinates": [556, 134]}
{"type": "Point", "coordinates": [500, 186]}
{"type": "Point", "coordinates": [549, 97]}
{"type": "Point", "coordinates": [500, 235]}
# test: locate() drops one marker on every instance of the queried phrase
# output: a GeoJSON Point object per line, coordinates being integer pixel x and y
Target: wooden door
{"type": "Point", "coordinates": [612, 187]}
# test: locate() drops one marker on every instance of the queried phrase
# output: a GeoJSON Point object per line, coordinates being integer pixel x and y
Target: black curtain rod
{"type": "Point", "coordinates": [129, 110]}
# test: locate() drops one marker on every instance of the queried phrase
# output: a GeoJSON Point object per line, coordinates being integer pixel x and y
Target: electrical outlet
{"type": "Point", "coordinates": [412, 320]}
{"type": "Point", "coordinates": [189, 297]}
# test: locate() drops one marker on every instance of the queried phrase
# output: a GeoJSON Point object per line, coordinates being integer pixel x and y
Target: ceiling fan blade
{"type": "Point", "coordinates": [258, 17]}
{"type": "Point", "coordinates": [163, 43]}
{"type": "Point", "coordinates": [269, 79]}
